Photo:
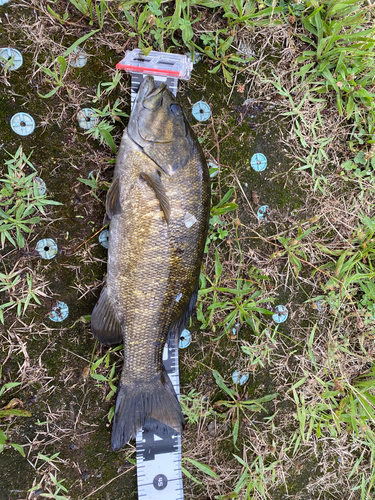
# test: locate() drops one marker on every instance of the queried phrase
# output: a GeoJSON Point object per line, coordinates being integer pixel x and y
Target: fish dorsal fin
{"type": "Point", "coordinates": [113, 203]}
{"type": "Point", "coordinates": [154, 181]}
{"type": "Point", "coordinates": [104, 323]}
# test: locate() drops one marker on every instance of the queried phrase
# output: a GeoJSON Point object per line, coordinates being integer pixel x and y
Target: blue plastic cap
{"type": "Point", "coordinates": [262, 212]}
{"type": "Point", "coordinates": [46, 248]}
{"type": "Point", "coordinates": [22, 123]}
{"type": "Point", "coordinates": [196, 58]}
{"type": "Point", "coordinates": [78, 58]}
{"type": "Point", "coordinates": [258, 162]}
{"type": "Point", "coordinates": [86, 118]}
{"type": "Point", "coordinates": [7, 53]}
{"type": "Point", "coordinates": [185, 339]}
{"type": "Point", "coordinates": [240, 378]}
{"type": "Point", "coordinates": [104, 238]}
{"type": "Point", "coordinates": [59, 312]}
{"type": "Point", "coordinates": [281, 314]}
{"type": "Point", "coordinates": [245, 51]}
{"type": "Point", "coordinates": [201, 111]}
{"type": "Point", "coordinates": [41, 185]}
{"type": "Point", "coordinates": [213, 168]}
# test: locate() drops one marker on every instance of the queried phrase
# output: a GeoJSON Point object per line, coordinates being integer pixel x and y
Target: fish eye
{"type": "Point", "coordinates": [175, 109]}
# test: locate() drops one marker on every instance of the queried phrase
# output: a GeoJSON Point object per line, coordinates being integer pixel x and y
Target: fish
{"type": "Point", "coordinates": [158, 205]}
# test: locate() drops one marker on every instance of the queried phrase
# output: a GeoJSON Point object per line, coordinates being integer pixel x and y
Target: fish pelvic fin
{"type": "Point", "coordinates": [153, 406]}
{"type": "Point", "coordinates": [113, 202]}
{"type": "Point", "coordinates": [155, 182]}
{"type": "Point", "coordinates": [104, 324]}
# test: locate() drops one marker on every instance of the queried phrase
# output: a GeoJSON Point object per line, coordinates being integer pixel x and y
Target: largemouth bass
{"type": "Point", "coordinates": [158, 205]}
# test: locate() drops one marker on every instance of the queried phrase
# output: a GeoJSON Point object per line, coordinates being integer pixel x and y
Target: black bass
{"type": "Point", "coordinates": [158, 205]}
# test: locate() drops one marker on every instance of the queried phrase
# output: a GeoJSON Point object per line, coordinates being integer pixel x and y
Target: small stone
{"type": "Point", "coordinates": [212, 429]}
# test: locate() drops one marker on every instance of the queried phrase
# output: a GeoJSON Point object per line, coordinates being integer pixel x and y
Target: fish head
{"type": "Point", "coordinates": [158, 125]}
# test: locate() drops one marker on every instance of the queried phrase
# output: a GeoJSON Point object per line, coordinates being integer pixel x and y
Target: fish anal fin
{"type": "Point", "coordinates": [154, 181]}
{"type": "Point", "coordinates": [179, 324]}
{"type": "Point", "coordinates": [113, 203]}
{"type": "Point", "coordinates": [104, 324]}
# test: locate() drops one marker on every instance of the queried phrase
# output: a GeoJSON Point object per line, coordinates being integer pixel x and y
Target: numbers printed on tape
{"type": "Point", "coordinates": [160, 482]}
{"type": "Point", "coordinates": [159, 458]}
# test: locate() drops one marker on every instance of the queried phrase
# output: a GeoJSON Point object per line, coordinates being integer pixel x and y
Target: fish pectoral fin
{"type": "Point", "coordinates": [113, 203]}
{"type": "Point", "coordinates": [154, 181]}
{"type": "Point", "coordinates": [104, 324]}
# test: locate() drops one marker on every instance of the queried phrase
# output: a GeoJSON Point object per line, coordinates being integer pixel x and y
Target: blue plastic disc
{"type": "Point", "coordinates": [22, 123]}
{"type": "Point", "coordinates": [46, 248]}
{"type": "Point", "coordinates": [79, 58]}
{"type": "Point", "coordinates": [258, 162]}
{"type": "Point", "coordinates": [262, 212]}
{"type": "Point", "coordinates": [59, 312]}
{"type": "Point", "coordinates": [87, 118]}
{"type": "Point", "coordinates": [7, 53]}
{"type": "Point", "coordinates": [245, 51]}
{"type": "Point", "coordinates": [41, 185]}
{"type": "Point", "coordinates": [240, 378]}
{"type": "Point", "coordinates": [213, 168]}
{"type": "Point", "coordinates": [196, 58]}
{"type": "Point", "coordinates": [201, 111]}
{"type": "Point", "coordinates": [103, 238]}
{"type": "Point", "coordinates": [185, 339]}
{"type": "Point", "coordinates": [281, 314]}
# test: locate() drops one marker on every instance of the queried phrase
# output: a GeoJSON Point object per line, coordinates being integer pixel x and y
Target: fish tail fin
{"type": "Point", "coordinates": [153, 406]}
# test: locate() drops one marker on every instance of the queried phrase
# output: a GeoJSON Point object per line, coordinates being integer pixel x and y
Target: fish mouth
{"type": "Point", "coordinates": [154, 91]}
{"type": "Point", "coordinates": [148, 100]}
{"type": "Point", "coordinates": [148, 90]}
{"type": "Point", "coordinates": [153, 99]}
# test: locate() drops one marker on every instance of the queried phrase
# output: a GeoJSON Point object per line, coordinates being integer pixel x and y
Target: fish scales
{"type": "Point", "coordinates": [160, 181]}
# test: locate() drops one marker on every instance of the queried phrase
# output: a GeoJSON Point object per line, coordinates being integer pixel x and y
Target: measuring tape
{"type": "Point", "coordinates": [159, 474]}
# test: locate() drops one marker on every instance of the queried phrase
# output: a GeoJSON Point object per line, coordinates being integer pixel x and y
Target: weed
{"type": "Point", "coordinates": [217, 229]}
{"type": "Point", "coordinates": [102, 129]}
{"type": "Point", "coordinates": [110, 378]}
{"type": "Point", "coordinates": [236, 406]}
{"type": "Point", "coordinates": [252, 479]}
{"type": "Point", "coordinates": [232, 305]}
{"type": "Point", "coordinates": [20, 199]}
{"type": "Point", "coordinates": [293, 249]}
{"type": "Point", "coordinates": [200, 466]}
{"type": "Point", "coordinates": [195, 406]}
{"type": "Point", "coordinates": [95, 185]}
{"type": "Point", "coordinates": [4, 442]}
{"type": "Point", "coordinates": [87, 9]}
{"type": "Point", "coordinates": [54, 484]}
{"type": "Point", "coordinates": [57, 76]}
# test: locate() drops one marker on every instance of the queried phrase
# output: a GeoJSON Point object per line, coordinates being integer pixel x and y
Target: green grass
{"type": "Point", "coordinates": [20, 200]}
